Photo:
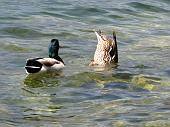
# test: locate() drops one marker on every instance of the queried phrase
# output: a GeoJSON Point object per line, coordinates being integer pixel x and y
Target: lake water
{"type": "Point", "coordinates": [136, 93]}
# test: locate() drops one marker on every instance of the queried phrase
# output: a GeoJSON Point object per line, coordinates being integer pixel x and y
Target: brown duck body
{"type": "Point", "coordinates": [106, 51]}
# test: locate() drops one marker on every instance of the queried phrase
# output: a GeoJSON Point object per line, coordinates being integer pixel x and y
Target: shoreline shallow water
{"type": "Point", "coordinates": [135, 93]}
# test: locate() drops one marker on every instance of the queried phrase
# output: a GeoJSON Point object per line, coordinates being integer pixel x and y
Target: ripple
{"type": "Point", "coordinates": [66, 35]}
{"type": "Point", "coordinates": [60, 3]}
{"type": "Point", "coordinates": [146, 7]}
{"type": "Point", "coordinates": [135, 93]}
{"type": "Point", "coordinates": [168, 72]}
{"type": "Point", "coordinates": [142, 66]}
{"type": "Point", "coordinates": [125, 11]}
{"type": "Point", "coordinates": [146, 82]}
{"type": "Point", "coordinates": [26, 33]}
{"type": "Point", "coordinates": [9, 18]}
{"type": "Point", "coordinates": [54, 14]}
{"type": "Point", "coordinates": [118, 17]}
{"type": "Point", "coordinates": [118, 85]}
{"type": "Point", "coordinates": [21, 32]}
{"type": "Point", "coordinates": [45, 79]}
{"type": "Point", "coordinates": [85, 11]}
{"type": "Point", "coordinates": [14, 48]}
{"type": "Point", "coordinates": [123, 75]}
{"type": "Point", "coordinates": [157, 123]}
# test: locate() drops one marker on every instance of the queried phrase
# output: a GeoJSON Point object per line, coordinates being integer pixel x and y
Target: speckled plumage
{"type": "Point", "coordinates": [106, 51]}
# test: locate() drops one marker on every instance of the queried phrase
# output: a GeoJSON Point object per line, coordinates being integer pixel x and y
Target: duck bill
{"type": "Point", "coordinates": [99, 36]}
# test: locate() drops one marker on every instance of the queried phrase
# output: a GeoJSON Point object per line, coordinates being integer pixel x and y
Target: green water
{"type": "Point", "coordinates": [136, 93]}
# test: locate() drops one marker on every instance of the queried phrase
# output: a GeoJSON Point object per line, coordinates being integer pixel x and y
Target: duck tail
{"type": "Point", "coordinates": [115, 49]}
{"type": "Point", "coordinates": [32, 66]}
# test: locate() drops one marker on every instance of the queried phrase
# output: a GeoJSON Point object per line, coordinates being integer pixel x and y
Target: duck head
{"type": "Point", "coordinates": [53, 48]}
{"type": "Point", "coordinates": [106, 51]}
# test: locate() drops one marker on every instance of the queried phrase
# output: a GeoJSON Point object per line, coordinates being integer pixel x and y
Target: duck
{"type": "Point", "coordinates": [106, 52]}
{"type": "Point", "coordinates": [53, 62]}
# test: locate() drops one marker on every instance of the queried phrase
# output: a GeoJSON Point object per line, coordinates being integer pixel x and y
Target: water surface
{"type": "Point", "coordinates": [136, 93]}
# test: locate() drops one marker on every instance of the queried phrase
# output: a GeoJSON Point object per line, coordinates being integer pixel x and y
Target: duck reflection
{"type": "Point", "coordinates": [44, 79]}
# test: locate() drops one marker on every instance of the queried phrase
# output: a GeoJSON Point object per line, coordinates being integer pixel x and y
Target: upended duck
{"type": "Point", "coordinates": [54, 62]}
{"type": "Point", "coordinates": [106, 51]}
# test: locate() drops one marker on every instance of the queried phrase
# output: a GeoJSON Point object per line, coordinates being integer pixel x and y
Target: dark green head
{"type": "Point", "coordinates": [53, 48]}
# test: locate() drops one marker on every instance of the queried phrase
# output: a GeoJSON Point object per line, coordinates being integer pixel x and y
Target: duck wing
{"type": "Point", "coordinates": [32, 65]}
{"type": "Point", "coordinates": [48, 61]}
{"type": "Point", "coordinates": [33, 62]}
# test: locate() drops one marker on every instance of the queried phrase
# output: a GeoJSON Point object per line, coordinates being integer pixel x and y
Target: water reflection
{"type": "Point", "coordinates": [86, 79]}
{"type": "Point", "coordinates": [44, 79]}
{"type": "Point", "coordinates": [136, 93]}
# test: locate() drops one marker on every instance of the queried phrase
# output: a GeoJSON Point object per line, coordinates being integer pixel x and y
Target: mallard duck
{"type": "Point", "coordinates": [106, 52]}
{"type": "Point", "coordinates": [54, 62]}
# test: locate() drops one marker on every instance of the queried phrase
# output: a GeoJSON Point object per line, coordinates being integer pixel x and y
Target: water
{"type": "Point", "coordinates": [136, 93]}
